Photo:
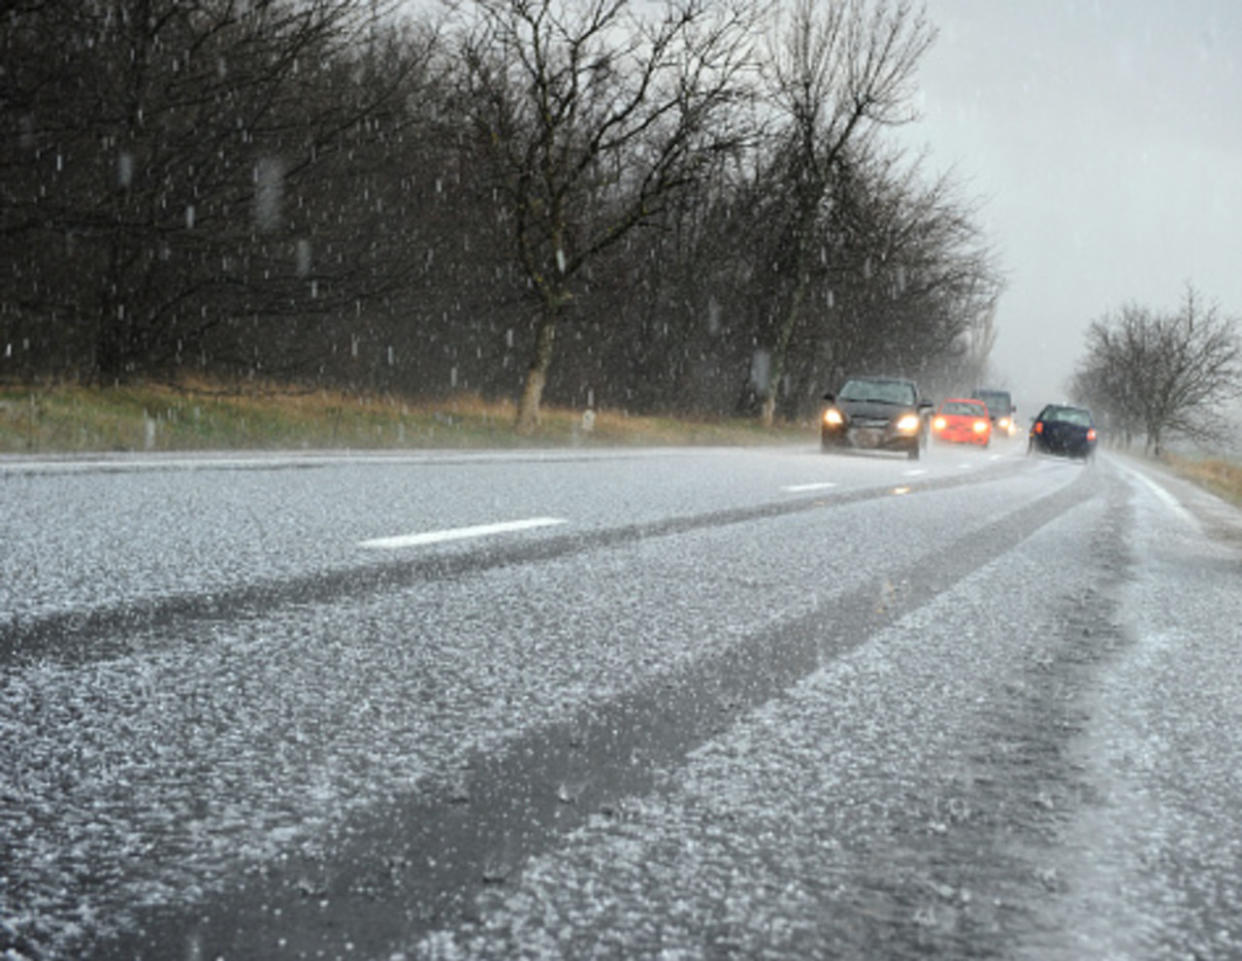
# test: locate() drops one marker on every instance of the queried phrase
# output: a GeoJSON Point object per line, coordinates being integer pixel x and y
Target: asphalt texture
{"type": "Point", "coordinates": [737, 704]}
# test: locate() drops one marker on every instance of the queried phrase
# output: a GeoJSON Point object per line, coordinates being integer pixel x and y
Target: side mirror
{"type": "Point", "coordinates": [830, 397]}
{"type": "Point", "coordinates": [926, 405]}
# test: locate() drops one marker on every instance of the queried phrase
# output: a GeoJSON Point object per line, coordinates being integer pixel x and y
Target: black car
{"type": "Point", "coordinates": [879, 413]}
{"type": "Point", "coordinates": [1068, 431]}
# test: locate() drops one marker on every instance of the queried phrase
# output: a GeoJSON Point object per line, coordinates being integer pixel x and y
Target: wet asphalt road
{"type": "Point", "coordinates": [713, 704]}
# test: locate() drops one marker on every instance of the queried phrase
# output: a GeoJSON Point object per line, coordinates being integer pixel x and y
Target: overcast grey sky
{"type": "Point", "coordinates": [1105, 139]}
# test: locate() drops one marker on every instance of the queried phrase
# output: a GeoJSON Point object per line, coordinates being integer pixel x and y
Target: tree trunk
{"type": "Point", "coordinates": [776, 368]}
{"type": "Point", "coordinates": [537, 375]}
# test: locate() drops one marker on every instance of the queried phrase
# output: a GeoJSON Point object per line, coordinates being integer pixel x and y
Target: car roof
{"type": "Point", "coordinates": [1085, 410]}
{"type": "Point", "coordinates": [879, 377]}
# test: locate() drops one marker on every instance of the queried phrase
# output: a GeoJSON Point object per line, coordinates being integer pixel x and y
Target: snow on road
{"type": "Point", "coordinates": [1023, 765]}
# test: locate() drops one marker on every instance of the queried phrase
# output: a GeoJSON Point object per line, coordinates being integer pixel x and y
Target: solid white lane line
{"type": "Point", "coordinates": [1169, 500]}
{"type": "Point", "coordinates": [461, 533]}
{"type": "Point", "coordinates": [799, 488]}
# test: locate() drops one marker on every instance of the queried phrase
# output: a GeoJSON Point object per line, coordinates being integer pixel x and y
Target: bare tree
{"type": "Point", "coordinates": [1175, 371]}
{"type": "Point", "coordinates": [839, 71]}
{"type": "Point", "coordinates": [593, 113]}
{"type": "Point", "coordinates": [161, 189]}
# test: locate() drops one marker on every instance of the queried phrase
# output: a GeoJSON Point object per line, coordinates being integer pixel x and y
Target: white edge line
{"type": "Point", "coordinates": [461, 533]}
{"type": "Point", "coordinates": [799, 488]}
{"type": "Point", "coordinates": [1170, 501]}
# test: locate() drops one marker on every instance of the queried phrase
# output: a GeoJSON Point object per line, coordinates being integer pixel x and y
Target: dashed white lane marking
{"type": "Point", "coordinates": [461, 533]}
{"type": "Point", "coordinates": [799, 488]}
{"type": "Point", "coordinates": [965, 466]}
{"type": "Point", "coordinates": [916, 472]}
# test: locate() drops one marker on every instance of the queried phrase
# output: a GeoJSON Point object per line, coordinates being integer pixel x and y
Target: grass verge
{"type": "Point", "coordinates": [1221, 476]}
{"type": "Point", "coordinates": [204, 416]}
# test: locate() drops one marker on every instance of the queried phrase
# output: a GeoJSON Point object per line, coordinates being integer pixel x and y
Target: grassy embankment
{"type": "Point", "coordinates": [1221, 476]}
{"type": "Point", "coordinates": [201, 416]}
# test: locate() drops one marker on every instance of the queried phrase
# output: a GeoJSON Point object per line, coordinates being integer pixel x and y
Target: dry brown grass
{"type": "Point", "coordinates": [196, 414]}
{"type": "Point", "coordinates": [1219, 475]}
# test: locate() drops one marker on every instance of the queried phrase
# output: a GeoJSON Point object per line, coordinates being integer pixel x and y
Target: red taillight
{"type": "Point", "coordinates": [1039, 426]}
{"type": "Point", "coordinates": [1090, 433]}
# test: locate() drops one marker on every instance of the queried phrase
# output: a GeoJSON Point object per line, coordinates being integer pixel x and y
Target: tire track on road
{"type": "Point", "coordinates": [82, 636]}
{"type": "Point", "coordinates": [418, 863]}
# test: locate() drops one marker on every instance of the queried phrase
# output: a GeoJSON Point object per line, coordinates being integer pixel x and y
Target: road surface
{"type": "Point", "coordinates": [617, 704]}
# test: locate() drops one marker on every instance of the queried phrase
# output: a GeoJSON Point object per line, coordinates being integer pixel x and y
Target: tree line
{"type": "Point", "coordinates": [1162, 374]}
{"type": "Point", "coordinates": [683, 206]}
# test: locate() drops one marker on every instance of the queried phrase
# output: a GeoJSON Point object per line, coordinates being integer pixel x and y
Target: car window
{"type": "Point", "coordinates": [1067, 415]}
{"type": "Point", "coordinates": [885, 391]}
{"type": "Point", "coordinates": [962, 407]}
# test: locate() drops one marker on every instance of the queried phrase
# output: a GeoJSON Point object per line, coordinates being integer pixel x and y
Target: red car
{"type": "Point", "coordinates": [962, 421]}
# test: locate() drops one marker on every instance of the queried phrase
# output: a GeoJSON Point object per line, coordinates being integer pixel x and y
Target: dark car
{"type": "Point", "coordinates": [1063, 430]}
{"type": "Point", "coordinates": [877, 413]}
{"type": "Point", "coordinates": [1000, 409]}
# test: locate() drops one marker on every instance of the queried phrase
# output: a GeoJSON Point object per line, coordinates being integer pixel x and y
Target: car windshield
{"type": "Point", "coordinates": [963, 407]}
{"type": "Point", "coordinates": [996, 403]}
{"type": "Point", "coordinates": [879, 391]}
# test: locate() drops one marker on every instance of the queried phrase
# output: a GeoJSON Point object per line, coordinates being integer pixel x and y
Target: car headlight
{"type": "Point", "coordinates": [908, 423]}
{"type": "Point", "coordinates": [980, 426]}
{"type": "Point", "coordinates": [1003, 423]}
{"type": "Point", "coordinates": [833, 418]}
{"type": "Point", "coordinates": [939, 423]}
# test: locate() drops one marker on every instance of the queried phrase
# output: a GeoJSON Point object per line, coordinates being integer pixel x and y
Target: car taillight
{"type": "Point", "coordinates": [1090, 433]}
{"type": "Point", "coordinates": [1039, 427]}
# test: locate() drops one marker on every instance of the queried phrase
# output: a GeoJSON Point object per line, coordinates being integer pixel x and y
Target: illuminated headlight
{"type": "Point", "coordinates": [1003, 423]}
{"type": "Point", "coordinates": [939, 423]}
{"type": "Point", "coordinates": [980, 426]}
{"type": "Point", "coordinates": [908, 424]}
{"type": "Point", "coordinates": [833, 418]}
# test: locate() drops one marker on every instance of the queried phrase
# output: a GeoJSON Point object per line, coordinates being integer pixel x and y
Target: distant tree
{"type": "Point", "coordinates": [905, 281]}
{"type": "Point", "coordinates": [592, 115]}
{"type": "Point", "coordinates": [159, 188]}
{"type": "Point", "coordinates": [840, 70]}
{"type": "Point", "coordinates": [1171, 373]}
